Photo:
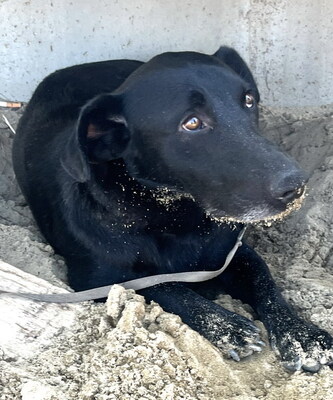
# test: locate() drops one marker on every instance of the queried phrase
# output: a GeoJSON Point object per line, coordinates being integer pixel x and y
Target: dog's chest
{"type": "Point", "coordinates": [161, 234]}
{"type": "Point", "coordinates": [181, 246]}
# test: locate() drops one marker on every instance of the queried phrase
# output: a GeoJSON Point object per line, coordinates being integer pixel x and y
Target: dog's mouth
{"type": "Point", "coordinates": [261, 214]}
{"type": "Point", "coordinates": [258, 214]}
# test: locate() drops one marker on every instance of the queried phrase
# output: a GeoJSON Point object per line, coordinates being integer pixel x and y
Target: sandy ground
{"type": "Point", "coordinates": [127, 349]}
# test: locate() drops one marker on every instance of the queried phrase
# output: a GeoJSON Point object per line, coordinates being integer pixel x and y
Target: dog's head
{"type": "Point", "coordinates": [189, 122]}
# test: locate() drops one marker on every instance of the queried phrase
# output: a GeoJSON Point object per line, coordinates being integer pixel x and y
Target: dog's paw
{"type": "Point", "coordinates": [301, 345]}
{"type": "Point", "coordinates": [236, 336]}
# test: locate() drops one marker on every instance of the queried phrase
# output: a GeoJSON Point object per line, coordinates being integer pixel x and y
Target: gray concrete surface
{"type": "Point", "coordinates": [288, 44]}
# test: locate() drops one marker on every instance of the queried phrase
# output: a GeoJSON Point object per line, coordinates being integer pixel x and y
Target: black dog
{"type": "Point", "coordinates": [135, 169]}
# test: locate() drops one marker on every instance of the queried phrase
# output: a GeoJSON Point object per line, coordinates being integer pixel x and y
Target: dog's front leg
{"type": "Point", "coordinates": [299, 343]}
{"type": "Point", "coordinates": [233, 334]}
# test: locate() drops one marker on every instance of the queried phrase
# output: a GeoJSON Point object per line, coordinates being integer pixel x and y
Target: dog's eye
{"type": "Point", "coordinates": [249, 100]}
{"type": "Point", "coordinates": [193, 124]}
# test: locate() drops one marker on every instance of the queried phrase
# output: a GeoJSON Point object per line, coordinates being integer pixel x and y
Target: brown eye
{"type": "Point", "coordinates": [249, 100]}
{"type": "Point", "coordinates": [192, 124]}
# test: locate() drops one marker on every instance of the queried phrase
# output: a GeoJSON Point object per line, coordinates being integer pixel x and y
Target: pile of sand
{"type": "Point", "coordinates": [126, 349]}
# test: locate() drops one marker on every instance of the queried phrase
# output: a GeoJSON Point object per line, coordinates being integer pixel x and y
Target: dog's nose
{"type": "Point", "coordinates": [291, 195]}
{"type": "Point", "coordinates": [289, 187]}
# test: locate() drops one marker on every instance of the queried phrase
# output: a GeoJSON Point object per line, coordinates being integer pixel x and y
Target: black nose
{"type": "Point", "coordinates": [289, 187]}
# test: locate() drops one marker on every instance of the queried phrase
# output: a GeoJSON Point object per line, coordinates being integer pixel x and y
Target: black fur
{"type": "Point", "coordinates": [122, 189]}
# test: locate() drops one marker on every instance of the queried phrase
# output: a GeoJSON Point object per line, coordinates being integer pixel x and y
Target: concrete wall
{"type": "Point", "coordinates": [288, 44]}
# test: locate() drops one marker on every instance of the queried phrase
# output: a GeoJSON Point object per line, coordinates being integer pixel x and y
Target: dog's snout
{"type": "Point", "coordinates": [288, 187]}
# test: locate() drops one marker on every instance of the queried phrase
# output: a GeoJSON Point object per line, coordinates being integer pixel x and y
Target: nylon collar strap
{"type": "Point", "coordinates": [136, 284]}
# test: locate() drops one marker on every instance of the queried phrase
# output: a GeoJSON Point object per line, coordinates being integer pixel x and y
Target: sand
{"type": "Point", "coordinates": [127, 349]}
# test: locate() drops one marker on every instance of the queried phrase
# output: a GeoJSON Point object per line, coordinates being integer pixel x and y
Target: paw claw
{"type": "Point", "coordinates": [255, 328]}
{"type": "Point", "coordinates": [255, 347]}
{"type": "Point", "coordinates": [234, 355]}
{"type": "Point", "coordinates": [315, 367]}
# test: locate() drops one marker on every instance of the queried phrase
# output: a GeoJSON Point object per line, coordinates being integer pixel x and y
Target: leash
{"type": "Point", "coordinates": [136, 284]}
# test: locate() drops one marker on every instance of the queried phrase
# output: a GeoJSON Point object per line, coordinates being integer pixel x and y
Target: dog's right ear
{"type": "Point", "coordinates": [101, 135]}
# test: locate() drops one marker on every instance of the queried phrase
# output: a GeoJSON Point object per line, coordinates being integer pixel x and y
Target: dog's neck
{"type": "Point", "coordinates": [137, 202]}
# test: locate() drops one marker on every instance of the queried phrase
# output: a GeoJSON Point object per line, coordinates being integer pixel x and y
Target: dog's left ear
{"type": "Point", "coordinates": [101, 135]}
{"type": "Point", "coordinates": [230, 57]}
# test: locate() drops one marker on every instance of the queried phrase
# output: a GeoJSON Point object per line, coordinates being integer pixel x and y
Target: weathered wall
{"type": "Point", "coordinates": [288, 44]}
